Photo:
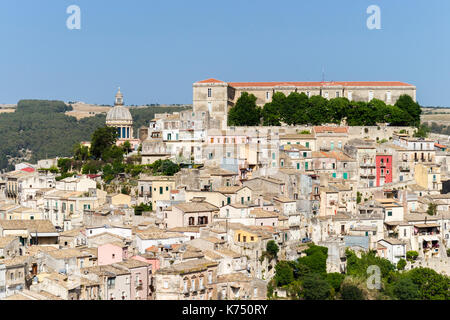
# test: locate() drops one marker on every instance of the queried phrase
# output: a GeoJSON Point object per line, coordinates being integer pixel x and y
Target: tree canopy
{"type": "Point", "coordinates": [244, 112]}
{"type": "Point", "coordinates": [298, 109]}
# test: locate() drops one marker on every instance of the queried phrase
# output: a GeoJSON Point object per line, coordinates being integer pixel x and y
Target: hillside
{"type": "Point", "coordinates": [41, 129]}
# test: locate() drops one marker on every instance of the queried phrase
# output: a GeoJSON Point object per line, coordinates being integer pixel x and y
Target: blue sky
{"type": "Point", "coordinates": [155, 50]}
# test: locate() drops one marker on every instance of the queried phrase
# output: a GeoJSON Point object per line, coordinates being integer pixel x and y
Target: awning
{"type": "Point", "coordinates": [430, 238]}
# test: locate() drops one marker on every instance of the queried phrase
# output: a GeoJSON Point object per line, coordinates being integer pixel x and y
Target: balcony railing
{"type": "Point", "coordinates": [367, 165]}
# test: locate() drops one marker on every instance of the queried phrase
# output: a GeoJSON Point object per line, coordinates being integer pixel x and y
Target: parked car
{"type": "Point", "coordinates": [306, 240]}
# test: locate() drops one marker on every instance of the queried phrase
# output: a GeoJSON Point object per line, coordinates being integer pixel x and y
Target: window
{"type": "Point", "coordinates": [267, 95]}
{"type": "Point", "coordinates": [161, 190]}
{"type": "Point", "coordinates": [337, 94]}
{"type": "Point", "coordinates": [307, 144]}
{"type": "Point", "coordinates": [350, 95]}
{"type": "Point", "coordinates": [326, 95]}
{"type": "Point", "coordinates": [210, 277]}
{"type": "Point", "coordinates": [209, 92]}
{"type": "Point", "coordinates": [111, 283]}
{"type": "Point", "coordinates": [273, 155]}
{"type": "Point", "coordinates": [388, 96]}
{"type": "Point", "coordinates": [389, 213]}
{"type": "Point", "coordinates": [166, 284]}
{"type": "Point", "coordinates": [370, 95]}
{"type": "Point", "coordinates": [209, 106]}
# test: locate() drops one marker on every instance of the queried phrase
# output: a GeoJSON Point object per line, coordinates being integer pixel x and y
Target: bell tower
{"type": "Point", "coordinates": [119, 98]}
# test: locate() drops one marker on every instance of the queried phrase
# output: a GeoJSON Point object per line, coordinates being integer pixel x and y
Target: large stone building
{"type": "Point", "coordinates": [218, 96]}
{"type": "Point", "coordinates": [120, 117]}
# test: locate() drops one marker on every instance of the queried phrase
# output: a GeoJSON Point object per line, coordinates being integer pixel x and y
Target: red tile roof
{"type": "Point", "coordinates": [210, 81]}
{"type": "Point", "coordinates": [152, 249]}
{"type": "Point", "coordinates": [440, 146]}
{"type": "Point", "coordinates": [28, 169]}
{"type": "Point", "coordinates": [322, 129]}
{"type": "Point", "coordinates": [320, 84]}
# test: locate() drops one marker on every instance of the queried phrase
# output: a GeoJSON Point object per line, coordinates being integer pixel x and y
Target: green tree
{"type": "Point", "coordinates": [91, 167]}
{"type": "Point", "coordinates": [338, 108]}
{"type": "Point", "coordinates": [315, 260]}
{"type": "Point", "coordinates": [411, 255]}
{"type": "Point", "coordinates": [422, 131]}
{"type": "Point", "coordinates": [244, 112]}
{"type": "Point", "coordinates": [318, 112]}
{"type": "Point", "coordinates": [113, 154]}
{"type": "Point", "coordinates": [351, 292]}
{"type": "Point", "coordinates": [406, 289]}
{"type": "Point", "coordinates": [141, 208]}
{"type": "Point", "coordinates": [165, 168]}
{"type": "Point", "coordinates": [272, 248]}
{"type": "Point", "coordinates": [102, 140]}
{"type": "Point", "coordinates": [432, 285]}
{"type": "Point", "coordinates": [335, 280]}
{"type": "Point", "coordinates": [64, 164]}
{"type": "Point", "coordinates": [401, 264]}
{"type": "Point", "coordinates": [80, 152]}
{"type": "Point", "coordinates": [432, 209]}
{"type": "Point", "coordinates": [406, 103]}
{"type": "Point", "coordinates": [126, 146]}
{"type": "Point", "coordinates": [300, 102]}
{"type": "Point", "coordinates": [315, 288]}
{"type": "Point", "coordinates": [284, 274]}
{"type": "Point", "coordinates": [271, 115]}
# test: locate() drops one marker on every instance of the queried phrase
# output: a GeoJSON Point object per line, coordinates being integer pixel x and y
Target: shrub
{"type": "Point", "coordinates": [401, 264]}
{"type": "Point", "coordinates": [315, 288]}
{"type": "Point", "coordinates": [351, 292]}
{"type": "Point", "coordinates": [412, 255]}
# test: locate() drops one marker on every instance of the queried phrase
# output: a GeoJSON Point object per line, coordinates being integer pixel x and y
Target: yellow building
{"type": "Point", "coordinates": [119, 199]}
{"type": "Point", "coordinates": [155, 188]}
{"type": "Point", "coordinates": [23, 213]}
{"type": "Point", "coordinates": [428, 176]}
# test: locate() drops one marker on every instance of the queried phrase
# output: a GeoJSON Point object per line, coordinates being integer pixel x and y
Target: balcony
{"type": "Point", "coordinates": [404, 169]}
{"type": "Point", "coordinates": [367, 165]}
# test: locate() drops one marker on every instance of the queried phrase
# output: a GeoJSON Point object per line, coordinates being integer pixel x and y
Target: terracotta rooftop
{"type": "Point", "coordinates": [320, 84]}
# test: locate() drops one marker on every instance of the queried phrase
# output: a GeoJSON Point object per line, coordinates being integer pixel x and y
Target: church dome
{"type": "Point", "coordinates": [119, 113]}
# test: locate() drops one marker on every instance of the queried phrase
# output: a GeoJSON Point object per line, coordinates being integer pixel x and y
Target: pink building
{"type": "Point", "coordinates": [152, 267]}
{"type": "Point", "coordinates": [151, 259]}
{"type": "Point", "coordinates": [110, 253]}
{"type": "Point", "coordinates": [140, 278]}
